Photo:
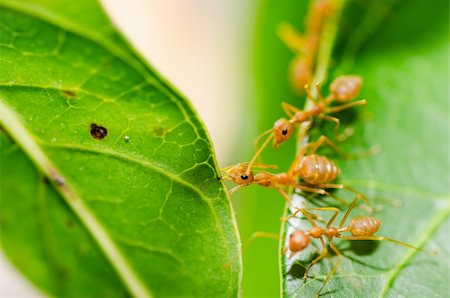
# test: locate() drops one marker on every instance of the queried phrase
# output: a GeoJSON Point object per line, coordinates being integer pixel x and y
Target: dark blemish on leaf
{"type": "Point", "coordinates": [56, 177]}
{"type": "Point", "coordinates": [58, 180]}
{"type": "Point", "coordinates": [70, 223]}
{"type": "Point", "coordinates": [46, 181]}
{"type": "Point", "coordinates": [159, 131]}
{"type": "Point", "coordinates": [98, 132]}
{"type": "Point", "coordinates": [62, 273]}
{"type": "Point", "coordinates": [69, 93]}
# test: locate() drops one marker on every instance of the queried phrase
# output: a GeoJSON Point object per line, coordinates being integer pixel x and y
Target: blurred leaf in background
{"type": "Point", "coordinates": [401, 50]}
{"type": "Point", "coordinates": [108, 180]}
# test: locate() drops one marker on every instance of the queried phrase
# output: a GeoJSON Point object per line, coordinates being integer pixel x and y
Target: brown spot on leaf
{"type": "Point", "coordinates": [69, 93]}
{"type": "Point", "coordinates": [98, 132]}
{"type": "Point", "coordinates": [70, 223]}
{"type": "Point", "coordinates": [56, 177]}
{"type": "Point", "coordinates": [158, 131]}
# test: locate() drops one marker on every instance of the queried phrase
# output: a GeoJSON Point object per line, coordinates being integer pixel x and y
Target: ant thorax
{"type": "Point", "coordinates": [285, 178]}
{"type": "Point", "coordinates": [301, 117]}
{"type": "Point", "coordinates": [317, 109]}
{"type": "Point", "coordinates": [265, 179]}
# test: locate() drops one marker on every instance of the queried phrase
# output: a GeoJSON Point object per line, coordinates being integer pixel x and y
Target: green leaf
{"type": "Point", "coordinates": [108, 179]}
{"type": "Point", "coordinates": [400, 50]}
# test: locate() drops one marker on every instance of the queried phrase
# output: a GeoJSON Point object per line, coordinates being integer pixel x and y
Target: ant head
{"type": "Point", "coordinates": [345, 88]}
{"type": "Point", "coordinates": [240, 175]}
{"type": "Point", "coordinates": [282, 130]}
{"type": "Point", "coordinates": [298, 241]}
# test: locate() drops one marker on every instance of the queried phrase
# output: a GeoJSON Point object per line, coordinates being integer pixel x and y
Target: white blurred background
{"type": "Point", "coordinates": [203, 47]}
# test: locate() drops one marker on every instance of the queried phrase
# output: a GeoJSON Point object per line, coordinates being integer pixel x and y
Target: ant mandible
{"type": "Point", "coordinates": [361, 228]}
{"type": "Point", "coordinates": [342, 89]}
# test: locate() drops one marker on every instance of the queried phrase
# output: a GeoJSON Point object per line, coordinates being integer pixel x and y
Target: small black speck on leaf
{"type": "Point", "coordinates": [98, 132]}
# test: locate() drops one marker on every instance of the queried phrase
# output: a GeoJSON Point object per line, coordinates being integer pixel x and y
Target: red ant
{"type": "Point", "coordinates": [305, 46]}
{"type": "Point", "coordinates": [360, 227]}
{"type": "Point", "coordinates": [342, 89]}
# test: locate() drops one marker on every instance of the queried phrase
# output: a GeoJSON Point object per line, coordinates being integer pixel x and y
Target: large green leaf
{"type": "Point", "coordinates": [133, 210]}
{"type": "Point", "coordinates": [401, 51]}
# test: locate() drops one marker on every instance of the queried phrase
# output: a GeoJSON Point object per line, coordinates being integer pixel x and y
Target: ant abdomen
{"type": "Point", "coordinates": [298, 241]}
{"type": "Point", "coordinates": [317, 169]}
{"type": "Point", "coordinates": [300, 72]}
{"type": "Point", "coordinates": [364, 226]}
{"type": "Point", "coordinates": [345, 88]}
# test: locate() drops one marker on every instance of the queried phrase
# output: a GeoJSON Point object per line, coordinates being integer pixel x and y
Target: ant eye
{"type": "Point", "coordinates": [244, 177]}
{"type": "Point", "coordinates": [284, 132]}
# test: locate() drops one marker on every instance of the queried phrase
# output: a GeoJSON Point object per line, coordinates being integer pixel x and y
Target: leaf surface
{"type": "Point", "coordinates": [109, 183]}
{"type": "Point", "coordinates": [402, 62]}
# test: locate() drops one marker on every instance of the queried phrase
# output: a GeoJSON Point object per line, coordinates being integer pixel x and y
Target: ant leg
{"type": "Point", "coordinates": [330, 98]}
{"type": "Point", "coordinates": [342, 186]}
{"type": "Point", "coordinates": [289, 109]}
{"type": "Point", "coordinates": [319, 93]}
{"type": "Point", "coordinates": [324, 139]}
{"type": "Point", "coordinates": [310, 96]}
{"type": "Point", "coordinates": [297, 160]}
{"type": "Point", "coordinates": [291, 37]}
{"type": "Point", "coordinates": [258, 139]}
{"type": "Point", "coordinates": [234, 189]}
{"type": "Point", "coordinates": [336, 121]}
{"type": "Point", "coordinates": [260, 234]}
{"type": "Point", "coordinates": [264, 145]}
{"type": "Point", "coordinates": [308, 216]}
{"type": "Point", "coordinates": [335, 267]}
{"type": "Point", "coordinates": [381, 238]}
{"type": "Point", "coordinates": [345, 106]}
{"type": "Point", "coordinates": [285, 196]}
{"type": "Point", "coordinates": [339, 199]}
{"type": "Point", "coordinates": [317, 190]}
{"type": "Point", "coordinates": [321, 256]}
{"type": "Point", "coordinates": [347, 213]}
{"type": "Point", "coordinates": [333, 209]}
